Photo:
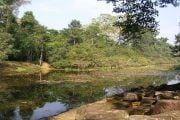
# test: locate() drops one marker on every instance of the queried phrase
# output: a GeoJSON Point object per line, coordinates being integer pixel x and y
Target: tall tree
{"type": "Point", "coordinates": [75, 31]}
{"type": "Point", "coordinates": [105, 22]}
{"type": "Point", "coordinates": [176, 48]}
{"type": "Point", "coordinates": [32, 37]}
{"type": "Point", "coordinates": [92, 32]}
{"type": "Point", "coordinates": [139, 15]}
{"type": "Point", "coordinates": [8, 24]}
{"type": "Point", "coordinates": [6, 46]}
{"type": "Point", "coordinates": [8, 8]}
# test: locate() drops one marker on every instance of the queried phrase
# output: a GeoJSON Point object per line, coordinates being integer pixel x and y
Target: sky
{"type": "Point", "coordinates": [57, 14]}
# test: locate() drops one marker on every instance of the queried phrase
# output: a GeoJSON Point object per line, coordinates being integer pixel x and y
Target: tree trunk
{"type": "Point", "coordinates": [74, 41]}
{"type": "Point", "coordinates": [41, 56]}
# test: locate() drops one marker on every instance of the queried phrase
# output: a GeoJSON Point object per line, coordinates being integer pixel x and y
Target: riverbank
{"type": "Point", "coordinates": [151, 103]}
{"type": "Point", "coordinates": [17, 68]}
{"type": "Point", "coordinates": [10, 68]}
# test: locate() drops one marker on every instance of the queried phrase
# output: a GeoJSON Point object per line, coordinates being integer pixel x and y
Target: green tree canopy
{"type": "Point", "coordinates": [75, 24]}
{"type": "Point", "coordinates": [140, 15]}
{"type": "Point", "coordinates": [6, 46]}
{"type": "Point", "coordinates": [176, 48]}
{"type": "Point", "coordinates": [75, 31]}
{"type": "Point", "coordinates": [105, 22]}
{"type": "Point", "coordinates": [8, 25]}
{"type": "Point", "coordinates": [8, 7]}
{"type": "Point", "coordinates": [31, 38]}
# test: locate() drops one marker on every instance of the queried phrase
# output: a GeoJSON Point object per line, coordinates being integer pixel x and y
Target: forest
{"type": "Point", "coordinates": [101, 43]}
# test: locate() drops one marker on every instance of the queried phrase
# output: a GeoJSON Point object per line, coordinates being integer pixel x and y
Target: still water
{"type": "Point", "coordinates": [38, 96]}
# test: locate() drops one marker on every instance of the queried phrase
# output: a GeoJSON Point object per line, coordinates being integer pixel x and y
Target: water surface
{"type": "Point", "coordinates": [37, 96]}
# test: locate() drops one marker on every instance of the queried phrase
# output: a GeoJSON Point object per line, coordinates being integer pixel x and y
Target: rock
{"type": "Point", "coordinates": [135, 104]}
{"type": "Point", "coordinates": [176, 97]}
{"type": "Point", "coordinates": [69, 115]}
{"type": "Point", "coordinates": [122, 104]}
{"type": "Point", "coordinates": [157, 93]}
{"type": "Point", "coordinates": [140, 95]}
{"type": "Point", "coordinates": [164, 94]}
{"type": "Point", "coordinates": [131, 97]}
{"type": "Point", "coordinates": [112, 91]}
{"type": "Point", "coordinates": [100, 111]}
{"type": "Point", "coordinates": [103, 115]}
{"type": "Point", "coordinates": [149, 94]}
{"type": "Point", "coordinates": [137, 111]}
{"type": "Point", "coordinates": [110, 99]}
{"type": "Point", "coordinates": [149, 100]}
{"type": "Point", "coordinates": [141, 117]}
{"type": "Point", "coordinates": [173, 115]}
{"type": "Point", "coordinates": [166, 106]}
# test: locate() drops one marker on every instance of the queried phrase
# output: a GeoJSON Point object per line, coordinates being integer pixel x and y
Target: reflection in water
{"type": "Point", "coordinates": [1, 116]}
{"type": "Point", "coordinates": [49, 109]}
{"type": "Point", "coordinates": [40, 77]}
{"type": "Point", "coordinates": [174, 81]}
{"type": "Point", "coordinates": [72, 89]}
{"type": "Point", "coordinates": [17, 115]}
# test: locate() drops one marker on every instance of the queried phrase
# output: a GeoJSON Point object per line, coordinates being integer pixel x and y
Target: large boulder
{"type": "Point", "coordinates": [166, 106]}
{"type": "Point", "coordinates": [100, 111]}
{"type": "Point", "coordinates": [113, 91]}
{"type": "Point", "coordinates": [165, 94]}
{"type": "Point", "coordinates": [102, 115]}
{"type": "Point", "coordinates": [173, 115]}
{"type": "Point", "coordinates": [69, 115]}
{"type": "Point", "coordinates": [141, 117]}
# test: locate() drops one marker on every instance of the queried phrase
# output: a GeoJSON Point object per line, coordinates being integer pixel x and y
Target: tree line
{"type": "Point", "coordinates": [98, 44]}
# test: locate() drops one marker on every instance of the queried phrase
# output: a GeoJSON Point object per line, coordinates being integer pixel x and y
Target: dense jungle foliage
{"type": "Point", "coordinates": [99, 44]}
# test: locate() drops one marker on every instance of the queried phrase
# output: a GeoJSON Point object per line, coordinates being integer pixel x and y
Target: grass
{"type": "Point", "coordinates": [126, 65]}
{"type": "Point", "coordinates": [14, 68]}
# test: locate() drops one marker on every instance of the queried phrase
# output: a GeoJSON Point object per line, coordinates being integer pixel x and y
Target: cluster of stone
{"type": "Point", "coordinates": [151, 103]}
{"type": "Point", "coordinates": [150, 100]}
